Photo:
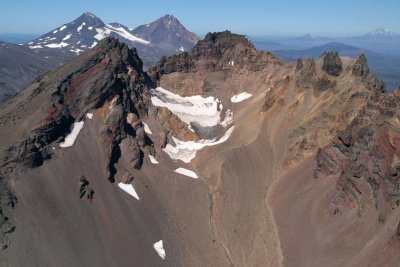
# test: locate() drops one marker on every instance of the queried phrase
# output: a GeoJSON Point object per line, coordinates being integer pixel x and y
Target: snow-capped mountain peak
{"type": "Point", "coordinates": [381, 32]}
{"type": "Point", "coordinates": [84, 33]}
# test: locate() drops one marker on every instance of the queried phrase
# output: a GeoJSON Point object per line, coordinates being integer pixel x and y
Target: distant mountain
{"type": "Point", "coordinates": [21, 64]}
{"type": "Point", "coordinates": [167, 31]}
{"type": "Point", "coordinates": [379, 40]}
{"type": "Point", "coordinates": [315, 52]}
{"type": "Point", "coordinates": [386, 67]}
{"type": "Point", "coordinates": [379, 32]}
{"type": "Point", "coordinates": [84, 33]}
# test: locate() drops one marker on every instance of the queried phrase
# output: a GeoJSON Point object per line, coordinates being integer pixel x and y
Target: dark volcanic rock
{"type": "Point", "coordinates": [332, 64]}
{"type": "Point", "coordinates": [367, 149]}
{"type": "Point", "coordinates": [360, 66]}
{"type": "Point", "coordinates": [217, 51]}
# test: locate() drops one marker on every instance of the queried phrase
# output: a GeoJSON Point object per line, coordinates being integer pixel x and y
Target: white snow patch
{"type": "Point", "coordinates": [93, 45]}
{"type": "Point", "coordinates": [67, 37]}
{"type": "Point", "coordinates": [153, 159]}
{"type": "Point", "coordinates": [186, 151]}
{"type": "Point", "coordinates": [70, 138]}
{"type": "Point", "coordinates": [90, 28]}
{"type": "Point", "coordinates": [158, 246]}
{"type": "Point", "coordinates": [80, 27]}
{"type": "Point", "coordinates": [181, 49]}
{"type": "Point", "coordinates": [77, 51]}
{"type": "Point", "coordinates": [147, 128]}
{"type": "Point", "coordinates": [62, 44]}
{"type": "Point", "coordinates": [128, 188]}
{"type": "Point", "coordinates": [55, 31]}
{"type": "Point", "coordinates": [186, 172]}
{"type": "Point", "coordinates": [130, 29]}
{"type": "Point", "coordinates": [35, 46]}
{"type": "Point", "coordinates": [63, 28]}
{"type": "Point", "coordinates": [89, 116]}
{"type": "Point", "coordinates": [112, 103]}
{"type": "Point", "coordinates": [189, 109]}
{"type": "Point", "coordinates": [108, 29]}
{"type": "Point", "coordinates": [30, 43]}
{"type": "Point", "coordinates": [240, 97]}
{"type": "Point", "coordinates": [46, 57]}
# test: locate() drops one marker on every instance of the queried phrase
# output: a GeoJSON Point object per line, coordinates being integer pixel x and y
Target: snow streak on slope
{"type": "Point", "coordinates": [187, 172]}
{"type": "Point", "coordinates": [147, 128]}
{"type": "Point", "coordinates": [153, 159]}
{"type": "Point", "coordinates": [240, 97]}
{"type": "Point", "coordinates": [128, 188]}
{"type": "Point", "coordinates": [70, 139]}
{"type": "Point", "coordinates": [158, 246]}
{"type": "Point", "coordinates": [204, 111]}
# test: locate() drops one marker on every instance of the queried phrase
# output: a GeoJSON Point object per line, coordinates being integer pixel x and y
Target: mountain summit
{"type": "Point", "coordinates": [84, 33]}
{"type": "Point", "coordinates": [168, 31]}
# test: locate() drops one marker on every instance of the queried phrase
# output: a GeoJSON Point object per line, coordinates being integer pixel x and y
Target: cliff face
{"type": "Point", "coordinates": [216, 52]}
{"type": "Point", "coordinates": [365, 150]}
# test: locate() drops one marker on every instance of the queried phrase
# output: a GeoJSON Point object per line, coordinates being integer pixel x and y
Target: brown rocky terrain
{"type": "Point", "coordinates": [308, 177]}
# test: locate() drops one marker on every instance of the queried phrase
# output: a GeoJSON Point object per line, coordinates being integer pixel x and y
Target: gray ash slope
{"type": "Point", "coordinates": [27, 61]}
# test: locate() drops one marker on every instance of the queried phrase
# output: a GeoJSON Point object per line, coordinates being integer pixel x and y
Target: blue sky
{"type": "Point", "coordinates": [283, 17]}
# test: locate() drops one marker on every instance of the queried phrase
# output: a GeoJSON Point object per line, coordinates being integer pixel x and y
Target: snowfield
{"type": "Point", "coordinates": [70, 138]}
{"type": "Point", "coordinates": [108, 29]}
{"type": "Point", "coordinates": [186, 151]}
{"type": "Point", "coordinates": [187, 172]}
{"type": "Point", "coordinates": [128, 188]}
{"type": "Point", "coordinates": [240, 97]}
{"type": "Point", "coordinates": [158, 246]}
{"type": "Point", "coordinates": [203, 110]}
